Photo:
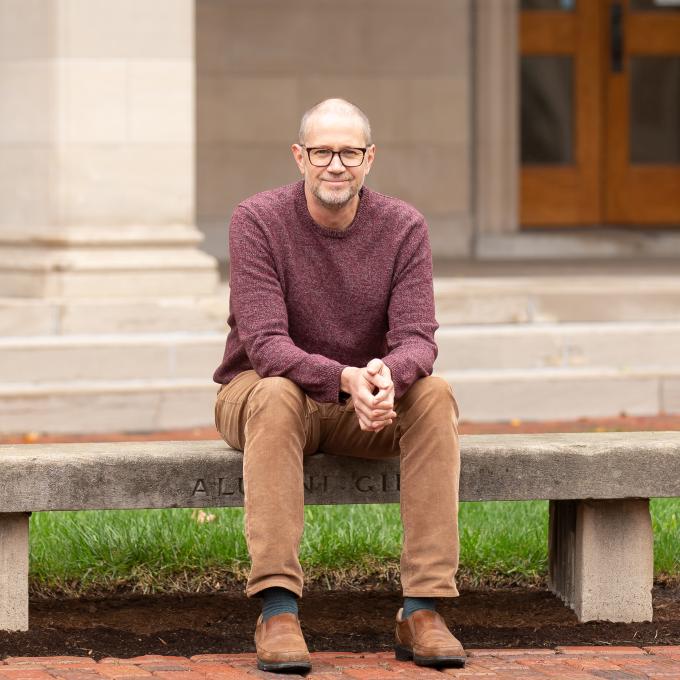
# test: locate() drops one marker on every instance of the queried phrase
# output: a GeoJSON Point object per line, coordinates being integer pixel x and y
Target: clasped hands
{"type": "Point", "coordinates": [374, 411]}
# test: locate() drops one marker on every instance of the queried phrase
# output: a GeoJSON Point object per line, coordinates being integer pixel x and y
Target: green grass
{"type": "Point", "coordinates": [504, 538]}
{"type": "Point", "coordinates": [665, 514]}
{"type": "Point", "coordinates": [156, 550]}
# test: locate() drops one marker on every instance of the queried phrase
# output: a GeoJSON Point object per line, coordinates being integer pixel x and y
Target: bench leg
{"type": "Point", "coordinates": [601, 558]}
{"type": "Point", "coordinates": [14, 571]}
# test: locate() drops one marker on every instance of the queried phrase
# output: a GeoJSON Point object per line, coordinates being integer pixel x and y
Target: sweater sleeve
{"type": "Point", "coordinates": [411, 315]}
{"type": "Point", "coordinates": [259, 308]}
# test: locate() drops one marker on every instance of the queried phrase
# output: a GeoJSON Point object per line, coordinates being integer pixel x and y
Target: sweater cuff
{"type": "Point", "coordinates": [331, 392]}
{"type": "Point", "coordinates": [397, 372]}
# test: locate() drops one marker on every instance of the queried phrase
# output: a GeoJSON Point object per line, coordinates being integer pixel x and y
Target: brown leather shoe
{"type": "Point", "coordinates": [425, 638]}
{"type": "Point", "coordinates": [280, 645]}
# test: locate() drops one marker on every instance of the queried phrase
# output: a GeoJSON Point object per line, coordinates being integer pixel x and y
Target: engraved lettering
{"type": "Point", "coordinates": [390, 481]}
{"type": "Point", "coordinates": [199, 487]}
{"type": "Point", "coordinates": [221, 486]}
{"type": "Point", "coordinates": [318, 484]}
{"type": "Point", "coordinates": [361, 484]}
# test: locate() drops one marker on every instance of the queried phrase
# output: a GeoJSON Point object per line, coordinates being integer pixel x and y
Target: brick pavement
{"type": "Point", "coordinates": [561, 663]}
{"type": "Point", "coordinates": [623, 423]}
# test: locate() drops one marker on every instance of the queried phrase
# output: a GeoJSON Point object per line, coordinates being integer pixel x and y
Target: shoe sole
{"type": "Point", "coordinates": [285, 666]}
{"type": "Point", "coordinates": [404, 654]}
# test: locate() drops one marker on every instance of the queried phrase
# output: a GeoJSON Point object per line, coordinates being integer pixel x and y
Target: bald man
{"type": "Point", "coordinates": [330, 349]}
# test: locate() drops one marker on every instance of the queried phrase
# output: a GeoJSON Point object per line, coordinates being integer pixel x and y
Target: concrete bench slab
{"type": "Point", "coordinates": [600, 541]}
{"type": "Point", "coordinates": [166, 474]}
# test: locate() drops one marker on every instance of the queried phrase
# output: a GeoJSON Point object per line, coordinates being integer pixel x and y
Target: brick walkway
{"type": "Point", "coordinates": [564, 663]}
{"type": "Point", "coordinates": [670, 421]}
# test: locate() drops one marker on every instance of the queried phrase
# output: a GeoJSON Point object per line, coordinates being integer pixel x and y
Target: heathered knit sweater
{"type": "Point", "coordinates": [306, 301]}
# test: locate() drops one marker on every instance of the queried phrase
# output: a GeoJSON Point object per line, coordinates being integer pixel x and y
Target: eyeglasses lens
{"type": "Point", "coordinates": [350, 158]}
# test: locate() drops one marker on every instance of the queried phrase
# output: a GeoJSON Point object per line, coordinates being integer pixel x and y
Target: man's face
{"type": "Point", "coordinates": [335, 185]}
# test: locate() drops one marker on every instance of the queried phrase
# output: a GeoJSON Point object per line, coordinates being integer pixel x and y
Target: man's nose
{"type": "Point", "coordinates": [336, 164]}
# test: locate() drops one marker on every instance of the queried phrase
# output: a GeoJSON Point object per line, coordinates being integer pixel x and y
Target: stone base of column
{"type": "Point", "coordinates": [144, 299]}
{"type": "Point", "coordinates": [14, 571]}
{"type": "Point", "coordinates": [139, 261]}
{"type": "Point", "coordinates": [59, 316]}
{"type": "Point", "coordinates": [601, 558]}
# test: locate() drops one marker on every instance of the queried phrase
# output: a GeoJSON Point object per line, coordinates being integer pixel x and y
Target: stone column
{"type": "Point", "coordinates": [97, 150]}
{"type": "Point", "coordinates": [601, 558]}
{"type": "Point", "coordinates": [14, 571]}
{"type": "Point", "coordinates": [497, 116]}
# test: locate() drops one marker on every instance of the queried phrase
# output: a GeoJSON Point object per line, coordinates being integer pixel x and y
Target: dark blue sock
{"type": "Point", "coordinates": [277, 601]}
{"type": "Point", "coordinates": [413, 604]}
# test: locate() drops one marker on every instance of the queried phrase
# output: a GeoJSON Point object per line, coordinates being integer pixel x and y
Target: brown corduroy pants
{"type": "Point", "coordinates": [276, 425]}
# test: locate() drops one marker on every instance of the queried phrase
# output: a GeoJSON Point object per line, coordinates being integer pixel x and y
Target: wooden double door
{"type": "Point", "coordinates": [600, 113]}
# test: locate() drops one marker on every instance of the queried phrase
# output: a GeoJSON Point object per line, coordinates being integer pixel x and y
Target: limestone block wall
{"type": "Point", "coordinates": [97, 150]}
{"type": "Point", "coordinates": [27, 45]}
{"type": "Point", "coordinates": [262, 63]}
{"type": "Point", "coordinates": [96, 125]}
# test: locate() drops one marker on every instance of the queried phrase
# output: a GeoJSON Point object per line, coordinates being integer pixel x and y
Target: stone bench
{"type": "Point", "coordinates": [599, 485]}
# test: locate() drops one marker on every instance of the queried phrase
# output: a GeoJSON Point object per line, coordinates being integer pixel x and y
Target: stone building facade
{"type": "Point", "coordinates": [129, 130]}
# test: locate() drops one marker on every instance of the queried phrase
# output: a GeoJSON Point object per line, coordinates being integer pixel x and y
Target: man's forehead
{"type": "Point", "coordinates": [335, 128]}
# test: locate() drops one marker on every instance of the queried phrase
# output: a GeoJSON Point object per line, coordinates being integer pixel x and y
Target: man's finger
{"type": "Point", "coordinates": [385, 393]}
{"type": "Point", "coordinates": [367, 424]}
{"type": "Point", "coordinates": [370, 408]}
{"type": "Point", "coordinates": [374, 365]}
{"type": "Point", "coordinates": [383, 404]}
{"type": "Point", "coordinates": [375, 378]}
{"type": "Point", "coordinates": [371, 417]}
{"type": "Point", "coordinates": [363, 407]}
{"type": "Point", "coordinates": [378, 380]}
{"type": "Point", "coordinates": [377, 415]}
{"type": "Point", "coordinates": [374, 427]}
{"type": "Point", "coordinates": [382, 395]}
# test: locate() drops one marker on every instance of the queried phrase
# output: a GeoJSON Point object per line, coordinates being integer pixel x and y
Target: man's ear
{"type": "Point", "coordinates": [299, 156]}
{"type": "Point", "coordinates": [370, 157]}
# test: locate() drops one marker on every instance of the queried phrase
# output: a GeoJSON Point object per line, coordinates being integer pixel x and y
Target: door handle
{"type": "Point", "coordinates": [616, 37]}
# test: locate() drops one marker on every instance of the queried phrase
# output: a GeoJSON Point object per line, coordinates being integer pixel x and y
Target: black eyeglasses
{"type": "Point", "coordinates": [321, 157]}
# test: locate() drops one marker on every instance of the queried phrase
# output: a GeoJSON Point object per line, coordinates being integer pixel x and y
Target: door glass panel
{"type": "Point", "coordinates": [547, 109]}
{"type": "Point", "coordinates": [655, 110]}
{"type": "Point", "coordinates": [567, 5]}
{"type": "Point", "coordinates": [647, 5]}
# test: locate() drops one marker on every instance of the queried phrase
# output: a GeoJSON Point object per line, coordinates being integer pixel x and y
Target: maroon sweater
{"type": "Point", "coordinates": [306, 301]}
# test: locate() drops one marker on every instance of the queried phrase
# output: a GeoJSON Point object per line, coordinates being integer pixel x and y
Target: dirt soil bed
{"type": "Point", "coordinates": [131, 625]}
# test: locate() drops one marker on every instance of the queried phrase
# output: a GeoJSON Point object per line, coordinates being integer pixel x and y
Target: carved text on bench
{"type": "Point", "coordinates": [318, 484]}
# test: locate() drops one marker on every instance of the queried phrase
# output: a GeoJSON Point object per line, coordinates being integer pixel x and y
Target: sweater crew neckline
{"type": "Point", "coordinates": [305, 217]}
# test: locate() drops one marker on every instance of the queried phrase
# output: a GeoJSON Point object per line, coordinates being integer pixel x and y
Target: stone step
{"type": "Point", "coordinates": [63, 316]}
{"type": "Point", "coordinates": [544, 345]}
{"type": "Point", "coordinates": [106, 405]}
{"type": "Point", "coordinates": [463, 299]}
{"type": "Point", "coordinates": [564, 393]}
{"type": "Point", "coordinates": [158, 356]}
{"type": "Point", "coordinates": [134, 356]}
{"type": "Point", "coordinates": [562, 298]}
{"type": "Point", "coordinates": [482, 395]}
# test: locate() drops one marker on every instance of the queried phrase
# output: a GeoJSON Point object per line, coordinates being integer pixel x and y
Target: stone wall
{"type": "Point", "coordinates": [262, 63]}
{"type": "Point", "coordinates": [97, 150]}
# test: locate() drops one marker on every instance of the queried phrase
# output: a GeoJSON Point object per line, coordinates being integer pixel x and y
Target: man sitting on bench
{"type": "Point", "coordinates": [330, 349]}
